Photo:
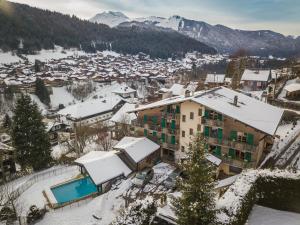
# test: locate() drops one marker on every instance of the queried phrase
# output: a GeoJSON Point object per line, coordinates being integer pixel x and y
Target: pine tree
{"type": "Point", "coordinates": [196, 205]}
{"type": "Point", "coordinates": [29, 135]}
{"type": "Point", "coordinates": [6, 122]}
{"type": "Point", "coordinates": [42, 92]}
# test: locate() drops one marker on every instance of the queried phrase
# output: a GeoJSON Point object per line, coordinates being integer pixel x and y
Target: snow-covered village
{"type": "Point", "coordinates": [133, 118]}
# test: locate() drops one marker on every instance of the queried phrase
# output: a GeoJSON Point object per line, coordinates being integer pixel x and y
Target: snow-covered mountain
{"type": "Point", "coordinates": [110, 18]}
{"type": "Point", "coordinates": [222, 38]}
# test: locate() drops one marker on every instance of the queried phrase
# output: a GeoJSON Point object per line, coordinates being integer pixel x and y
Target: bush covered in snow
{"type": "Point", "coordinates": [140, 212]}
{"type": "Point", "coordinates": [276, 189]}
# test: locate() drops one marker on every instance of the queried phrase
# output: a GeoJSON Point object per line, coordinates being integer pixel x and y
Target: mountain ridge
{"type": "Point", "coordinates": [226, 39]}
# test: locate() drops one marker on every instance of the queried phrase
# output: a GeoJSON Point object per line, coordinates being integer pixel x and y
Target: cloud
{"type": "Point", "coordinates": [279, 15]}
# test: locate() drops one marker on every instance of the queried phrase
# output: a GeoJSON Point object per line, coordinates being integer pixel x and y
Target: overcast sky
{"type": "Point", "coordinates": [279, 15]}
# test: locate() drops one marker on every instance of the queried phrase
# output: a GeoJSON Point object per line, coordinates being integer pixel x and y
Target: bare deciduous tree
{"type": "Point", "coordinates": [103, 136]}
{"type": "Point", "coordinates": [83, 136]}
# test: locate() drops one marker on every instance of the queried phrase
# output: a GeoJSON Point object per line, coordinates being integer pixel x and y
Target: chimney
{"type": "Point", "coordinates": [235, 100]}
{"type": "Point", "coordinates": [187, 93]}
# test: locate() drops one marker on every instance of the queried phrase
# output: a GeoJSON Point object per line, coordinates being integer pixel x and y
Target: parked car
{"type": "Point", "coordinates": [143, 177]}
{"type": "Point", "coordinates": [170, 182]}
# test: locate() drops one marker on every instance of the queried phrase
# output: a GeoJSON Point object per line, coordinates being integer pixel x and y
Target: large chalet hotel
{"type": "Point", "coordinates": [237, 128]}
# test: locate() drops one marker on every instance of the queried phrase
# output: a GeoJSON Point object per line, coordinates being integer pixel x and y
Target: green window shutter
{"type": "Point", "coordinates": [177, 109]}
{"type": "Point", "coordinates": [163, 137]}
{"type": "Point", "coordinates": [206, 131]}
{"type": "Point", "coordinates": [206, 114]}
{"type": "Point", "coordinates": [154, 119]}
{"type": "Point", "coordinates": [145, 132]}
{"type": "Point", "coordinates": [154, 133]}
{"type": "Point", "coordinates": [173, 124]}
{"type": "Point", "coordinates": [217, 151]}
{"type": "Point", "coordinates": [145, 118]}
{"type": "Point", "coordinates": [163, 122]}
{"type": "Point", "coordinates": [173, 140]}
{"type": "Point", "coordinates": [220, 117]}
{"type": "Point", "coordinates": [231, 153]}
{"type": "Point", "coordinates": [250, 139]}
{"type": "Point", "coordinates": [220, 134]}
{"type": "Point", "coordinates": [233, 135]}
{"type": "Point", "coordinates": [248, 156]}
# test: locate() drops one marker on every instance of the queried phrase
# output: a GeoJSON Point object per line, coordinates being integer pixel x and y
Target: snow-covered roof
{"type": "Point", "coordinates": [213, 159]}
{"type": "Point", "coordinates": [292, 87]}
{"type": "Point", "coordinates": [123, 116]}
{"type": "Point", "coordinates": [91, 107]}
{"type": "Point", "coordinates": [255, 113]}
{"type": "Point", "coordinates": [215, 78]}
{"type": "Point", "coordinates": [226, 182]}
{"type": "Point", "coordinates": [256, 75]}
{"type": "Point", "coordinates": [103, 166]}
{"type": "Point", "coordinates": [137, 148]}
{"type": "Point", "coordinates": [177, 89]}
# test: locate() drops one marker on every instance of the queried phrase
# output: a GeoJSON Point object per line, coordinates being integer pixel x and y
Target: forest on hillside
{"type": "Point", "coordinates": [40, 29]}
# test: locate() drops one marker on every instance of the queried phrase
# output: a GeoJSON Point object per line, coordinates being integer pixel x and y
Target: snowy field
{"type": "Point", "coordinates": [57, 53]}
{"type": "Point", "coordinates": [266, 216]}
{"type": "Point", "coordinates": [61, 96]}
{"type": "Point", "coordinates": [8, 58]}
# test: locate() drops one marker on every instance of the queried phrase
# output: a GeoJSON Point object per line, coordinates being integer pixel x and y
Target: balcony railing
{"type": "Point", "coordinates": [231, 144]}
{"type": "Point", "coordinates": [171, 146]}
{"type": "Point", "coordinates": [212, 123]}
{"type": "Point", "coordinates": [239, 163]}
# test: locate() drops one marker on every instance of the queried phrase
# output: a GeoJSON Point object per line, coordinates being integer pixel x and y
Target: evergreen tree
{"type": "Point", "coordinates": [6, 122]}
{"type": "Point", "coordinates": [29, 135]}
{"type": "Point", "coordinates": [196, 205]}
{"type": "Point", "coordinates": [42, 92]}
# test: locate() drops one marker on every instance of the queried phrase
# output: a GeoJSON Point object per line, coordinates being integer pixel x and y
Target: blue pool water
{"type": "Point", "coordinates": [74, 190]}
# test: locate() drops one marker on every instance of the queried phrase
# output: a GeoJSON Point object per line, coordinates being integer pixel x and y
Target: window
{"type": "Point", "coordinates": [183, 118]}
{"type": "Point", "coordinates": [191, 115]}
{"type": "Point", "coordinates": [191, 131]}
{"type": "Point", "coordinates": [182, 148]}
{"type": "Point", "coordinates": [183, 133]}
{"type": "Point", "coordinates": [199, 127]}
{"type": "Point", "coordinates": [199, 112]}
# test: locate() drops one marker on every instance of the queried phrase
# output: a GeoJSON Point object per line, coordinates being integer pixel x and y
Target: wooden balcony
{"type": "Point", "coordinates": [231, 144]}
{"type": "Point", "coordinates": [239, 163]}
{"type": "Point", "coordinates": [173, 147]}
{"type": "Point", "coordinates": [212, 123]}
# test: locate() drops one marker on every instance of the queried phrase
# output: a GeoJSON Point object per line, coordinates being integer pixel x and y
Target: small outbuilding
{"type": "Point", "coordinates": [292, 91]}
{"type": "Point", "coordinates": [104, 168]}
{"type": "Point", "coordinates": [138, 152]}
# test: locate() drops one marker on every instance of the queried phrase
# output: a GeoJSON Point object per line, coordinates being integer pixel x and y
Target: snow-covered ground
{"type": "Point", "coordinates": [266, 216]}
{"type": "Point", "coordinates": [34, 195]}
{"type": "Point", "coordinates": [100, 210]}
{"type": "Point", "coordinates": [57, 53]}
{"type": "Point", "coordinates": [286, 132]}
{"type": "Point", "coordinates": [61, 96]}
{"type": "Point", "coordinates": [8, 58]}
{"type": "Point", "coordinates": [42, 107]}
{"type": "Point", "coordinates": [289, 153]}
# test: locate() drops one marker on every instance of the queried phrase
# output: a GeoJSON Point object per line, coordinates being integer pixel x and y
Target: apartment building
{"type": "Point", "coordinates": [237, 128]}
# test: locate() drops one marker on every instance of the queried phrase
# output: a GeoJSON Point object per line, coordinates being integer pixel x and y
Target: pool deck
{"type": "Point", "coordinates": [51, 200]}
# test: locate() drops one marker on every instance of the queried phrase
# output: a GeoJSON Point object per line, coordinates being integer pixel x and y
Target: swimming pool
{"type": "Point", "coordinates": [74, 190]}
